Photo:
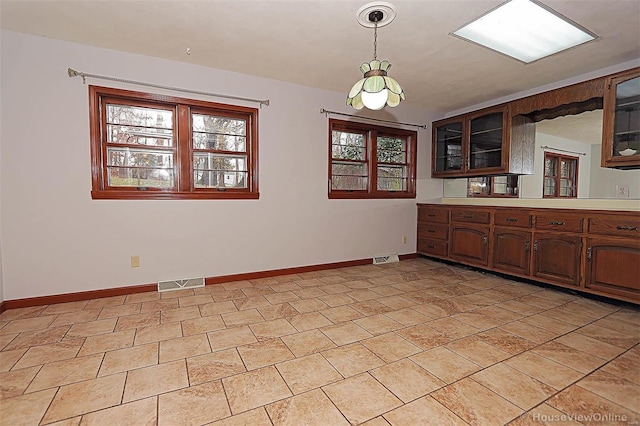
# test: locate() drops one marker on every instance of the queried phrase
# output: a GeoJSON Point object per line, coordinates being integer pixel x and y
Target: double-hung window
{"type": "Point", "coordinates": [367, 161]}
{"type": "Point", "coordinates": [151, 146]}
{"type": "Point", "coordinates": [560, 176]}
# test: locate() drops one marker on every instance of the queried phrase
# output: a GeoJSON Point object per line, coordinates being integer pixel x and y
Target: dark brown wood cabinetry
{"type": "Point", "coordinates": [621, 120]}
{"type": "Point", "coordinates": [486, 142]}
{"type": "Point", "coordinates": [591, 251]}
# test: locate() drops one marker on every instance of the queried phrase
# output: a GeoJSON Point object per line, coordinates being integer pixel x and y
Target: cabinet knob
{"type": "Point", "coordinates": [589, 254]}
{"type": "Point", "coordinates": [484, 240]}
{"type": "Point", "coordinates": [535, 246]}
{"type": "Point", "coordinates": [527, 246]}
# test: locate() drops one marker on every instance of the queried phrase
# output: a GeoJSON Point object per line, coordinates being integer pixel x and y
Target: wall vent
{"type": "Point", "coordinates": [391, 258]}
{"type": "Point", "coordinates": [180, 284]}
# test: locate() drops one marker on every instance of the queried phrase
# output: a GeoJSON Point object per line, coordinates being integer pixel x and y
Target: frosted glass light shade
{"type": "Point", "coordinates": [376, 89]}
{"type": "Point", "coordinates": [524, 30]}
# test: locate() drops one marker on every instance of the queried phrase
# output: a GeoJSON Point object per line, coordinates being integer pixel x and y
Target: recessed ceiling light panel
{"type": "Point", "coordinates": [525, 30]}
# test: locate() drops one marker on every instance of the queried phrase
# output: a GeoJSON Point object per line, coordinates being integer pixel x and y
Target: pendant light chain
{"type": "Point", "coordinates": [375, 38]}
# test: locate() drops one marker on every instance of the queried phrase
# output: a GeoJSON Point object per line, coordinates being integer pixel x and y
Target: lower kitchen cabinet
{"type": "Point", "coordinates": [511, 251]}
{"type": "Point", "coordinates": [470, 244]}
{"type": "Point", "coordinates": [613, 266]}
{"type": "Point", "coordinates": [556, 257]}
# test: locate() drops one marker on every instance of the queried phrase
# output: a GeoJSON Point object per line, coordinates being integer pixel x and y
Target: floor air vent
{"type": "Point", "coordinates": [379, 260]}
{"type": "Point", "coordinates": [180, 284]}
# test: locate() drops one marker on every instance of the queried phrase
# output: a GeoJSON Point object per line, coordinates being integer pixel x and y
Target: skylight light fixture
{"type": "Point", "coordinates": [375, 89]}
{"type": "Point", "coordinates": [525, 30]}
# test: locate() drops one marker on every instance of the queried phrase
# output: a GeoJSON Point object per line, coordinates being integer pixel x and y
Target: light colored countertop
{"type": "Point", "coordinates": [557, 203]}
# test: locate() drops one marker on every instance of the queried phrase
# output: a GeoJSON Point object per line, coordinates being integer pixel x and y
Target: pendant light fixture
{"type": "Point", "coordinates": [376, 89]}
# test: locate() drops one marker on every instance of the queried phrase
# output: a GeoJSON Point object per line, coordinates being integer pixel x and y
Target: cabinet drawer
{"type": "Point", "coordinates": [559, 222]}
{"type": "Point", "coordinates": [435, 247]}
{"type": "Point", "coordinates": [470, 216]}
{"type": "Point", "coordinates": [433, 214]}
{"type": "Point", "coordinates": [623, 226]}
{"type": "Point", "coordinates": [432, 231]}
{"type": "Point", "coordinates": [512, 218]}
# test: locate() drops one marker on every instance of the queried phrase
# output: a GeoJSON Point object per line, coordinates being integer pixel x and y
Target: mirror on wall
{"type": "Point", "coordinates": [578, 136]}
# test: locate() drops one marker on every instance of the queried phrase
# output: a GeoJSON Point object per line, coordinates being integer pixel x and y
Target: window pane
{"type": "Point", "coordinates": [348, 146]}
{"type": "Point", "coordinates": [139, 158]}
{"type": "Point", "coordinates": [549, 186]}
{"type": "Point", "coordinates": [348, 176]}
{"type": "Point", "coordinates": [140, 177]}
{"type": "Point", "coordinates": [391, 150]}
{"type": "Point", "coordinates": [219, 171]}
{"type": "Point", "coordinates": [392, 178]}
{"type": "Point", "coordinates": [135, 135]}
{"type": "Point", "coordinates": [219, 133]}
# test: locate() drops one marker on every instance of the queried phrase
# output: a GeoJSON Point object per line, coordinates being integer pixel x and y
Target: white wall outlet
{"type": "Point", "coordinates": [622, 191]}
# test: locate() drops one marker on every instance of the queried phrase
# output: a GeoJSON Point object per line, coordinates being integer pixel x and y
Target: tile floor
{"type": "Point", "coordinates": [411, 343]}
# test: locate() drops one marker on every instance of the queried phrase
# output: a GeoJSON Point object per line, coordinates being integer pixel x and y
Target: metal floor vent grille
{"type": "Point", "coordinates": [180, 284]}
{"type": "Point", "coordinates": [386, 259]}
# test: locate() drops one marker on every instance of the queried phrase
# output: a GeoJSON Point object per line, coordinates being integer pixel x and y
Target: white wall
{"type": "Point", "coordinates": [55, 239]}
{"type": "Point", "coordinates": [605, 180]}
{"type": "Point", "coordinates": [531, 185]}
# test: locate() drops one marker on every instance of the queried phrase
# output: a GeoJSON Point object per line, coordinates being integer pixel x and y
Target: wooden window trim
{"type": "Point", "coordinates": [183, 148]}
{"type": "Point", "coordinates": [558, 179]}
{"type": "Point", "coordinates": [371, 133]}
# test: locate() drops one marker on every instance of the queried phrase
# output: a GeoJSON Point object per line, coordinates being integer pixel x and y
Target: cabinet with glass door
{"type": "Point", "coordinates": [621, 126]}
{"type": "Point", "coordinates": [486, 142]}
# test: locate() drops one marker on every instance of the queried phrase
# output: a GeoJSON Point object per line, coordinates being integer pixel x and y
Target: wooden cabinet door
{"type": "Point", "coordinates": [449, 147]}
{"type": "Point", "coordinates": [621, 121]}
{"type": "Point", "coordinates": [469, 244]}
{"type": "Point", "coordinates": [557, 258]}
{"type": "Point", "coordinates": [613, 266]}
{"type": "Point", "coordinates": [511, 251]}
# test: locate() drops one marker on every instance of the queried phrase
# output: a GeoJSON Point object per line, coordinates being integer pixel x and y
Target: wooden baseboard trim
{"type": "Point", "coordinates": [75, 297]}
{"type": "Point", "coordinates": [121, 291]}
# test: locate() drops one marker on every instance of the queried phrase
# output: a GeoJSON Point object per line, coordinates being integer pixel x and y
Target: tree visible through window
{"type": "Point", "coordinates": [370, 161]}
{"type": "Point", "coordinates": [560, 176]}
{"type": "Point", "coordinates": [149, 146]}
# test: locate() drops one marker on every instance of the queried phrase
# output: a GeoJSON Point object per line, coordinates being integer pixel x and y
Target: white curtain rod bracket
{"type": "Point", "coordinates": [73, 73]}
{"type": "Point", "coordinates": [562, 150]}
{"type": "Point", "coordinates": [327, 112]}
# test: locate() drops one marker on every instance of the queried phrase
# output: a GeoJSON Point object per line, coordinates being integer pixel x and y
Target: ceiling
{"type": "Point", "coordinates": [319, 43]}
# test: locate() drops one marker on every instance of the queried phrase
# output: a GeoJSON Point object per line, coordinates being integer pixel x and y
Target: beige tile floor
{"type": "Point", "coordinates": [411, 343]}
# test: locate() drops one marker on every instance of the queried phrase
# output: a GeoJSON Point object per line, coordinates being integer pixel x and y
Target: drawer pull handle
{"type": "Point", "coordinates": [431, 215]}
{"type": "Point", "coordinates": [431, 231]}
{"type": "Point", "coordinates": [511, 219]}
{"type": "Point", "coordinates": [627, 228]}
{"type": "Point", "coordinates": [432, 247]}
{"type": "Point", "coordinates": [467, 216]}
{"type": "Point", "coordinates": [556, 223]}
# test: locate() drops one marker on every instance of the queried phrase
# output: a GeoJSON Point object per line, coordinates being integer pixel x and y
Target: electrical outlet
{"type": "Point", "coordinates": [135, 261]}
{"type": "Point", "coordinates": [622, 191]}
{"type": "Point", "coordinates": [404, 239]}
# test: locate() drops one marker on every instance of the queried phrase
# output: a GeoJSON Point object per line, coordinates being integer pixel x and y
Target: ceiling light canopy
{"type": "Point", "coordinates": [525, 30]}
{"type": "Point", "coordinates": [376, 89]}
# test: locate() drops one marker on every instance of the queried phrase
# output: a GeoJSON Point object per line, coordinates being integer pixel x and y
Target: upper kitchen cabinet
{"type": "Point", "coordinates": [621, 126]}
{"type": "Point", "coordinates": [486, 142]}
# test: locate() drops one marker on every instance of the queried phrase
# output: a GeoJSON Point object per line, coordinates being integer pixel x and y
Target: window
{"type": "Point", "coordinates": [160, 147]}
{"type": "Point", "coordinates": [493, 186]}
{"type": "Point", "coordinates": [370, 161]}
{"type": "Point", "coordinates": [560, 176]}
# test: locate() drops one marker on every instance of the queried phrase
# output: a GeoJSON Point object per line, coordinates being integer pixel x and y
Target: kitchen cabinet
{"type": "Point", "coordinates": [485, 142]}
{"type": "Point", "coordinates": [621, 121]}
{"type": "Point", "coordinates": [557, 258]}
{"type": "Point", "coordinates": [591, 251]}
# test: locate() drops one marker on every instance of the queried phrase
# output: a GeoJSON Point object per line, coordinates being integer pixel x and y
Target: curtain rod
{"type": "Point", "coordinates": [84, 75]}
{"type": "Point", "coordinates": [563, 150]}
{"type": "Point", "coordinates": [325, 112]}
